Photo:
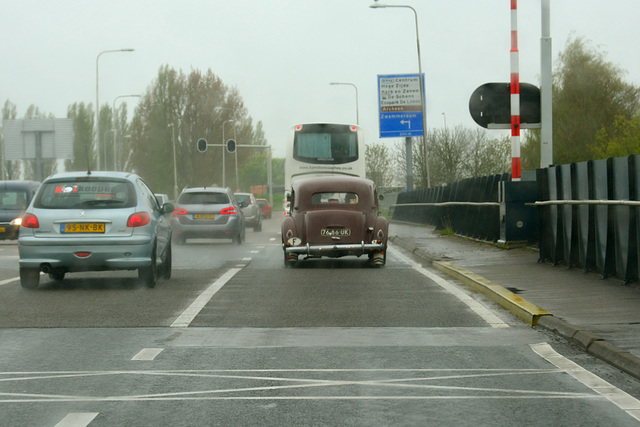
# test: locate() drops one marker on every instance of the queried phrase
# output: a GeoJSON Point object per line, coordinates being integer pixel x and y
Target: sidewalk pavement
{"type": "Point", "coordinates": [601, 316]}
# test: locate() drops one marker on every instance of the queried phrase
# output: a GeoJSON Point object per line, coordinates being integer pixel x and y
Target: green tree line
{"type": "Point", "coordinates": [596, 114]}
{"type": "Point", "coordinates": [174, 112]}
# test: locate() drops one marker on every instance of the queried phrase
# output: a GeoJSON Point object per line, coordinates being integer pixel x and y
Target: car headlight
{"type": "Point", "coordinates": [17, 221]}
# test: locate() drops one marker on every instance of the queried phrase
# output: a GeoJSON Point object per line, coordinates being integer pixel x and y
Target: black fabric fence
{"type": "Point", "coordinates": [589, 215]}
{"type": "Point", "coordinates": [469, 207]}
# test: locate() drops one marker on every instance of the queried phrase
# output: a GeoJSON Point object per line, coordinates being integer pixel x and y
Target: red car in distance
{"type": "Point", "coordinates": [265, 207]}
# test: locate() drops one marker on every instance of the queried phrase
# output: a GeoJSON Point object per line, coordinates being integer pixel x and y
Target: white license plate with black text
{"type": "Point", "coordinates": [335, 232]}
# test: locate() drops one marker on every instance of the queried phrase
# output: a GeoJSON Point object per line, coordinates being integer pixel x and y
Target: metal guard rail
{"type": "Point", "coordinates": [586, 202]}
{"type": "Point", "coordinates": [448, 204]}
{"type": "Point", "coordinates": [538, 203]}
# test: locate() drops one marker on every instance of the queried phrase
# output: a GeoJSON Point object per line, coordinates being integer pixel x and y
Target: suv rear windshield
{"type": "Point", "coordinates": [243, 198]}
{"type": "Point", "coordinates": [86, 194]}
{"type": "Point", "coordinates": [203, 198]}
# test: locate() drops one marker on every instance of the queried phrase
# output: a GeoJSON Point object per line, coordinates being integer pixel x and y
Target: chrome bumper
{"type": "Point", "coordinates": [327, 250]}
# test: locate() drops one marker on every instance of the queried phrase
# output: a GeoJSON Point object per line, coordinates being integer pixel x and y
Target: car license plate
{"type": "Point", "coordinates": [204, 216]}
{"type": "Point", "coordinates": [335, 232]}
{"type": "Point", "coordinates": [82, 227]}
{"type": "Point", "coordinates": [2, 229]}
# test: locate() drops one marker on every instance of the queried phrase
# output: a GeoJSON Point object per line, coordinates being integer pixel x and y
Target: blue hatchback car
{"type": "Point", "coordinates": [94, 221]}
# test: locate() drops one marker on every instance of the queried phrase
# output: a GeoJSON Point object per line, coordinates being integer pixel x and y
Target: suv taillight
{"type": "Point", "coordinates": [228, 211]}
{"type": "Point", "coordinates": [138, 219]}
{"type": "Point", "coordinates": [30, 221]}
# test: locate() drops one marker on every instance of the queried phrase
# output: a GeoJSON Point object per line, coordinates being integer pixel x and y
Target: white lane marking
{"type": "Point", "coordinates": [196, 306]}
{"type": "Point", "coordinates": [77, 419]}
{"type": "Point", "coordinates": [620, 398]}
{"type": "Point", "coordinates": [272, 239]}
{"type": "Point", "coordinates": [414, 381]}
{"type": "Point", "coordinates": [482, 311]}
{"type": "Point", "coordinates": [147, 354]}
{"type": "Point", "coordinates": [247, 258]}
{"type": "Point", "coordinates": [4, 282]}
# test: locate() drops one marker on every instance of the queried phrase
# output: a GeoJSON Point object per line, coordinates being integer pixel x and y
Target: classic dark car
{"type": "Point", "coordinates": [334, 217]}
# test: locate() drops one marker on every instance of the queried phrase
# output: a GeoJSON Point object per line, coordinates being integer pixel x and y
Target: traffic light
{"type": "Point", "coordinates": [202, 145]}
{"type": "Point", "coordinates": [231, 145]}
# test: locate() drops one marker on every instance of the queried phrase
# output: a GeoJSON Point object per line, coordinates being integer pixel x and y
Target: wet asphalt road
{"type": "Point", "coordinates": [234, 338]}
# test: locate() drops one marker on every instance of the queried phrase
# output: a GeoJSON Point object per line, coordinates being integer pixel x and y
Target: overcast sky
{"type": "Point", "coordinates": [282, 54]}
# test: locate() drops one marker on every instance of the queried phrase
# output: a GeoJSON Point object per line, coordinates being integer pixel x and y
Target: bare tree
{"type": "Point", "coordinates": [379, 165]}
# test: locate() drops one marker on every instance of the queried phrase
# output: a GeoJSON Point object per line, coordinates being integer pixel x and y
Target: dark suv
{"type": "Point", "coordinates": [207, 212]}
{"type": "Point", "coordinates": [15, 197]}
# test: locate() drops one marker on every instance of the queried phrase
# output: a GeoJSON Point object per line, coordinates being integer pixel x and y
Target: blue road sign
{"type": "Point", "coordinates": [400, 107]}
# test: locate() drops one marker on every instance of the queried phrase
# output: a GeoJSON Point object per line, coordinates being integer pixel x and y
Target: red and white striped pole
{"type": "Point", "coordinates": [515, 95]}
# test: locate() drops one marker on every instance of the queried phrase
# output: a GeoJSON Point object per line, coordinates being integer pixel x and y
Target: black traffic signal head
{"type": "Point", "coordinates": [231, 145]}
{"type": "Point", "coordinates": [202, 145]}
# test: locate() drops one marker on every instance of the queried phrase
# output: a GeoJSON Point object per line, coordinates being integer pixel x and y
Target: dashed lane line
{"type": "Point", "coordinates": [147, 354]}
{"type": "Point", "coordinates": [196, 306]}
{"type": "Point", "coordinates": [7, 281]}
{"type": "Point", "coordinates": [77, 419]}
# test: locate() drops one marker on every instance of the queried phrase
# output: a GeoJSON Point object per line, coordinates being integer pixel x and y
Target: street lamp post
{"type": "Point", "coordinates": [175, 169]}
{"type": "Point", "coordinates": [356, 88]}
{"type": "Point", "coordinates": [376, 5]}
{"type": "Point", "coordinates": [223, 141]}
{"type": "Point", "coordinates": [224, 177]}
{"type": "Point", "coordinates": [98, 99]}
{"type": "Point", "coordinates": [115, 145]}
{"type": "Point", "coordinates": [235, 152]}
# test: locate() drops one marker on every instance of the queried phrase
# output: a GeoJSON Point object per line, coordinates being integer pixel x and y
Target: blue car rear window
{"type": "Point", "coordinates": [203, 198]}
{"type": "Point", "coordinates": [95, 194]}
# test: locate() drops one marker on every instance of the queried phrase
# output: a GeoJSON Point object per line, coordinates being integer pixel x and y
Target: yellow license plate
{"type": "Point", "coordinates": [2, 229]}
{"type": "Point", "coordinates": [204, 216]}
{"type": "Point", "coordinates": [83, 227]}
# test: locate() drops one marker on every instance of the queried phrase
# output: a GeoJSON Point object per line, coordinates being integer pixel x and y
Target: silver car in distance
{"type": "Point", "coordinates": [95, 221]}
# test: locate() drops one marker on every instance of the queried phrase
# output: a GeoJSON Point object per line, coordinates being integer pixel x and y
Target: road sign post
{"type": "Point", "coordinates": [401, 112]}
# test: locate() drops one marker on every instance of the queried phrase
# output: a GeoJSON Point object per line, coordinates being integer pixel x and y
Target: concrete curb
{"type": "Point", "coordinates": [594, 345]}
{"type": "Point", "coordinates": [524, 309]}
{"type": "Point", "coordinates": [531, 313]}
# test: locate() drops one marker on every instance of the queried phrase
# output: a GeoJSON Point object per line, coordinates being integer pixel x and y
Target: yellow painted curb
{"type": "Point", "coordinates": [522, 308]}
